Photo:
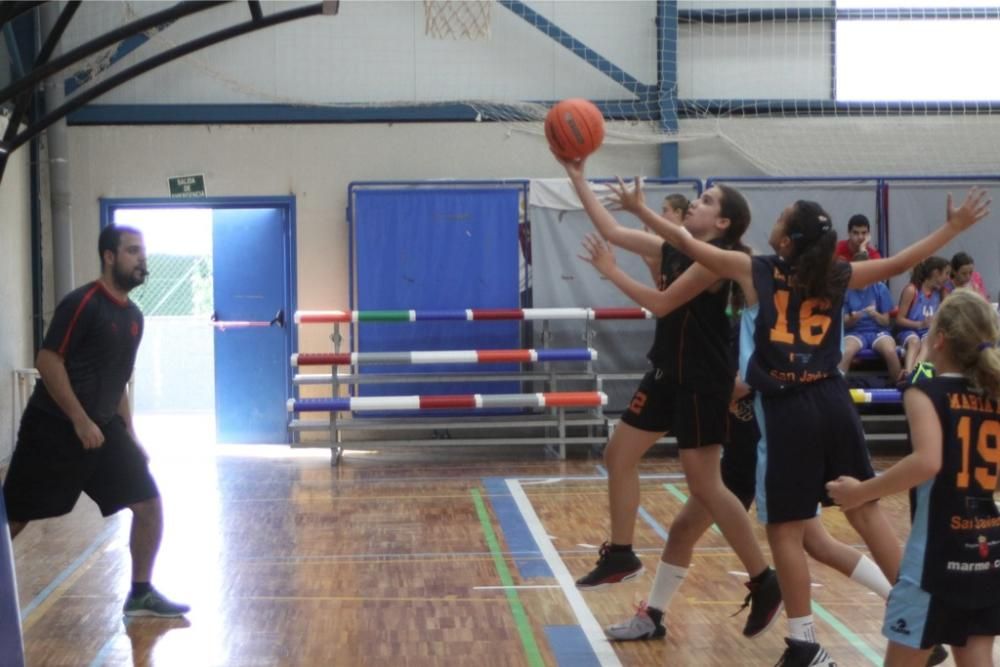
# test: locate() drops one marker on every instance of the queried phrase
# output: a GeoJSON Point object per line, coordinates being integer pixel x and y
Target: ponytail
{"type": "Point", "coordinates": [814, 241]}
{"type": "Point", "coordinates": [969, 324]}
{"type": "Point", "coordinates": [986, 372]}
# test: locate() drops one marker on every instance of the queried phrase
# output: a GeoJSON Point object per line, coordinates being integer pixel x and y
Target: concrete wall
{"type": "Point", "coordinates": [15, 290]}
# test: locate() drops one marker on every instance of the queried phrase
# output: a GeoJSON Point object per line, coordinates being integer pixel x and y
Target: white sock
{"type": "Point", "coordinates": [868, 575]}
{"type": "Point", "coordinates": [668, 580]}
{"type": "Point", "coordinates": [802, 628]}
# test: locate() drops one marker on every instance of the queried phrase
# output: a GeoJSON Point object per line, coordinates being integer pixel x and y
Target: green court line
{"type": "Point", "coordinates": [855, 641]}
{"type": "Point", "coordinates": [817, 608]}
{"type": "Point", "coordinates": [517, 609]}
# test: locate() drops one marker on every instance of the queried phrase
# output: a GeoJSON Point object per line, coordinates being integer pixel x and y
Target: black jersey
{"type": "Point", "coordinates": [789, 340]}
{"type": "Point", "coordinates": [98, 338]}
{"type": "Point", "coordinates": [954, 547]}
{"type": "Point", "coordinates": [691, 345]}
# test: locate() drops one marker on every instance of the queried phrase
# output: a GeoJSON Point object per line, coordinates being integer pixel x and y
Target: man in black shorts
{"type": "Point", "coordinates": [76, 433]}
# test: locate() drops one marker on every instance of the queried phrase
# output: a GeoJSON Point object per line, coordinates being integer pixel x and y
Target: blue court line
{"type": "Point", "coordinates": [570, 647]}
{"type": "Point", "coordinates": [568, 643]}
{"type": "Point", "coordinates": [102, 655]}
{"type": "Point", "coordinates": [646, 516]}
{"type": "Point", "coordinates": [103, 537]}
{"type": "Point", "coordinates": [515, 530]}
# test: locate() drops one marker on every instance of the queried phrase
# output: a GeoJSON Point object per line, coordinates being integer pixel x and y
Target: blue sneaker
{"type": "Point", "coordinates": [153, 604]}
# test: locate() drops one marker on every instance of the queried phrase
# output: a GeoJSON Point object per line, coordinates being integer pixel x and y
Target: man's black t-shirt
{"type": "Point", "coordinates": [98, 337]}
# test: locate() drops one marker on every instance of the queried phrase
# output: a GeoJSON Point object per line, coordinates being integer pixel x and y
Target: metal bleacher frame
{"type": "Point", "coordinates": [554, 428]}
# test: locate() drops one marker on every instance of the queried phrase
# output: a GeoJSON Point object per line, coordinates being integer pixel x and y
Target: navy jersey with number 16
{"type": "Point", "coordinates": [788, 340]}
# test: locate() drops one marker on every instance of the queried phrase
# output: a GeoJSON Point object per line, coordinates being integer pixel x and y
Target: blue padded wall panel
{"type": "Point", "coordinates": [447, 248]}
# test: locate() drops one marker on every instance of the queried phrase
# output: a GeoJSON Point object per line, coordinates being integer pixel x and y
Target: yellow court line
{"type": "Point", "coordinates": [57, 594]}
{"type": "Point", "coordinates": [499, 598]}
{"type": "Point", "coordinates": [315, 498]}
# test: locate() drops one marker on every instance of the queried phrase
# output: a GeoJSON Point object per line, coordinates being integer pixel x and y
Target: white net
{"type": "Point", "coordinates": [851, 87]}
{"type": "Point", "coordinates": [859, 87]}
{"type": "Point", "coordinates": [457, 19]}
{"type": "Point", "coordinates": [779, 87]}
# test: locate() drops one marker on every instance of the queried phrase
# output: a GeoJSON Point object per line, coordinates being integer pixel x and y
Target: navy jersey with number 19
{"type": "Point", "coordinates": [953, 551]}
{"type": "Point", "coordinates": [789, 340]}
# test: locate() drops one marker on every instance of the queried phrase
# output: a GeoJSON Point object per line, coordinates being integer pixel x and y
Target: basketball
{"type": "Point", "coordinates": [574, 128]}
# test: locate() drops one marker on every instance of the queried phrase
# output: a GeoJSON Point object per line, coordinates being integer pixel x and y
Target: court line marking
{"type": "Point", "coordinates": [531, 650]}
{"type": "Point", "coordinates": [646, 516]}
{"type": "Point", "coordinates": [102, 655]}
{"type": "Point", "coordinates": [681, 496]}
{"type": "Point", "coordinates": [592, 630]}
{"type": "Point", "coordinates": [68, 576]}
{"type": "Point", "coordinates": [522, 587]}
{"type": "Point", "coordinates": [844, 631]}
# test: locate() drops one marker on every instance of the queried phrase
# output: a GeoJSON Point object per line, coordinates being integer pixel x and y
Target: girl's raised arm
{"type": "Point", "coordinates": [975, 207]}
{"type": "Point", "coordinates": [635, 240]}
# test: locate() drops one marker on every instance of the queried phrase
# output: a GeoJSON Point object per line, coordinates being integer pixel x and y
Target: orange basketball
{"type": "Point", "coordinates": [574, 128]}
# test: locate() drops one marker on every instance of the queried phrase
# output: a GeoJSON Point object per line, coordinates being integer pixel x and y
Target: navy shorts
{"type": "Point", "coordinates": [739, 455]}
{"type": "Point", "coordinates": [50, 469]}
{"type": "Point", "coordinates": [809, 436]}
{"type": "Point", "coordinates": [696, 419]}
{"type": "Point", "coordinates": [917, 619]}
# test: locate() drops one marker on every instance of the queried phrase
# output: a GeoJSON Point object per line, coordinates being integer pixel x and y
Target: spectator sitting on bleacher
{"type": "Point", "coordinates": [964, 274]}
{"type": "Point", "coordinates": [918, 302]}
{"type": "Point", "coordinates": [866, 324]}
{"type": "Point", "coordinates": [858, 239]}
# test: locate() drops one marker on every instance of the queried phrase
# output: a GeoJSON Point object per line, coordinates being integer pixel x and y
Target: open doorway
{"type": "Point", "coordinates": [215, 353]}
{"type": "Point", "coordinates": [174, 368]}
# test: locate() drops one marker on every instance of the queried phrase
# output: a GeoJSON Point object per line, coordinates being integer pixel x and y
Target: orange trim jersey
{"type": "Point", "coordinates": [789, 340]}
{"type": "Point", "coordinates": [953, 551]}
{"type": "Point", "coordinates": [98, 338]}
{"type": "Point", "coordinates": [691, 346]}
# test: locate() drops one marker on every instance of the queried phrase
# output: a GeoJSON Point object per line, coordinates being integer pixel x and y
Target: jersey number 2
{"type": "Point", "coordinates": [813, 325]}
{"type": "Point", "coordinates": [987, 443]}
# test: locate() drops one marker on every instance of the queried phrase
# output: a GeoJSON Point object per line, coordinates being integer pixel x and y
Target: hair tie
{"type": "Point", "coordinates": [985, 346]}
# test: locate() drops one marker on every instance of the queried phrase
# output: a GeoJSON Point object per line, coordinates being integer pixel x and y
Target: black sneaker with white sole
{"type": "Point", "coordinates": [804, 654]}
{"type": "Point", "coordinates": [613, 567]}
{"type": "Point", "coordinates": [764, 600]}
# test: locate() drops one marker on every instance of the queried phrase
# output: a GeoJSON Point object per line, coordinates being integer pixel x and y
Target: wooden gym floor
{"type": "Point", "coordinates": [404, 557]}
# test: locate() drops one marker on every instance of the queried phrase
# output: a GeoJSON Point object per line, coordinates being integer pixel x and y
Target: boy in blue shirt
{"type": "Point", "coordinates": [866, 324]}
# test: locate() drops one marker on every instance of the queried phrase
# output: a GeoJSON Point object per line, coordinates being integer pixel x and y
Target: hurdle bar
{"type": "Point", "coordinates": [567, 399]}
{"type": "Point", "coordinates": [876, 396]}
{"type": "Point", "coordinates": [470, 315]}
{"type": "Point", "coordinates": [444, 357]}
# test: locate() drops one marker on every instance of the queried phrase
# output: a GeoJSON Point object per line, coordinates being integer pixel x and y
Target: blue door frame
{"type": "Point", "coordinates": [286, 205]}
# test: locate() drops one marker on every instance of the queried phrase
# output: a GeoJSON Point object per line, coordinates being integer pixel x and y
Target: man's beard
{"type": "Point", "coordinates": [126, 281]}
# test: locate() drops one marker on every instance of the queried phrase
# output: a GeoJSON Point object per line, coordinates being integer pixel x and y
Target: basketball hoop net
{"type": "Point", "coordinates": [457, 19]}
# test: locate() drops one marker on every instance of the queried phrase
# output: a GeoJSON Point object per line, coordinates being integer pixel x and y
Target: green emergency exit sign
{"type": "Point", "coordinates": [187, 186]}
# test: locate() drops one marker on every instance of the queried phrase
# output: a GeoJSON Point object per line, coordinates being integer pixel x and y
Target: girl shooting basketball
{"type": "Point", "coordinates": [686, 393]}
{"type": "Point", "coordinates": [789, 353]}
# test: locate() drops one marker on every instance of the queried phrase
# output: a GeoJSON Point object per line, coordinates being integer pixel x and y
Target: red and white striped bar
{"type": "Point", "coordinates": [566, 399]}
{"type": "Point", "coordinates": [470, 315]}
{"type": "Point", "coordinates": [444, 357]}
